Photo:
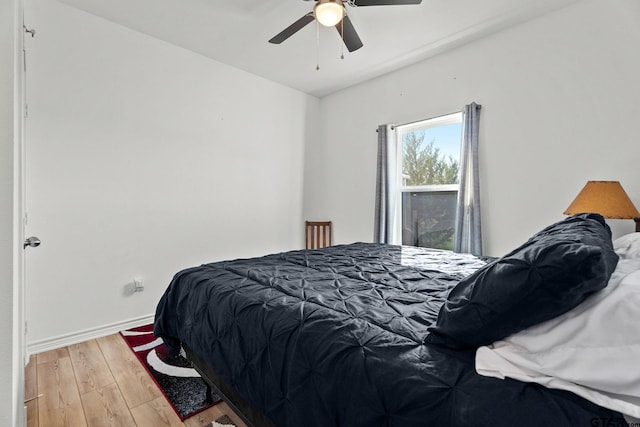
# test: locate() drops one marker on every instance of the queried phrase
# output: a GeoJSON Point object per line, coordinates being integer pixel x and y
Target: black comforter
{"type": "Point", "coordinates": [338, 337]}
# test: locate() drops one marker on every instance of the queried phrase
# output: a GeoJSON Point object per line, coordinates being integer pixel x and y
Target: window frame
{"type": "Point", "coordinates": [448, 119]}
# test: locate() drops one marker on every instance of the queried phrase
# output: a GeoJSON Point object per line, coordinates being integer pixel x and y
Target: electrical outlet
{"type": "Point", "coordinates": [138, 285]}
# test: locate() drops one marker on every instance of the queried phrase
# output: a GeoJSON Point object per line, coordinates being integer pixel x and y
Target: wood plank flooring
{"type": "Point", "coordinates": [101, 383]}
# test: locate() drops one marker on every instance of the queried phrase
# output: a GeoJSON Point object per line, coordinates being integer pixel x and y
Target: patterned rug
{"type": "Point", "coordinates": [183, 387]}
{"type": "Point", "coordinates": [223, 421]}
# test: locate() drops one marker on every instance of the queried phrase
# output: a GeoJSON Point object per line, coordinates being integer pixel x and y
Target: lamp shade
{"type": "Point", "coordinates": [607, 198]}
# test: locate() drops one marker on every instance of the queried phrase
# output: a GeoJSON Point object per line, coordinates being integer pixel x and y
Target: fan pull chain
{"type": "Point", "coordinates": [317, 46]}
{"type": "Point", "coordinates": [342, 36]}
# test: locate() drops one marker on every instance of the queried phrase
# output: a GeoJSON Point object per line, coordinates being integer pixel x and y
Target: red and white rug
{"type": "Point", "coordinates": [183, 387]}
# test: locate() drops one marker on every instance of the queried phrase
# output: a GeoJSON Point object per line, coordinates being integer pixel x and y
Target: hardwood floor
{"type": "Point", "coordinates": [101, 383]}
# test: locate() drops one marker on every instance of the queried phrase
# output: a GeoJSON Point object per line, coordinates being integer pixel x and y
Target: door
{"type": "Point", "coordinates": [20, 167]}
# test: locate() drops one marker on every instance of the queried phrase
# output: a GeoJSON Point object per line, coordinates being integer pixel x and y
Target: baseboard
{"type": "Point", "coordinates": [85, 335]}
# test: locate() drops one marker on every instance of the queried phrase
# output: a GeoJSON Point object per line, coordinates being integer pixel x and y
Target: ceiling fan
{"type": "Point", "coordinates": [332, 13]}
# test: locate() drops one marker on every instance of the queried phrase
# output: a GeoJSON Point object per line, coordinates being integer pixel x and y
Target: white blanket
{"type": "Point", "coordinates": [592, 350]}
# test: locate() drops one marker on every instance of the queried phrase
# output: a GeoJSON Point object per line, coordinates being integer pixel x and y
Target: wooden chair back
{"type": "Point", "coordinates": [317, 234]}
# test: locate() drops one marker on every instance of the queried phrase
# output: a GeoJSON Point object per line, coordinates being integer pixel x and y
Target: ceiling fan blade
{"type": "Point", "coordinates": [292, 29]}
{"type": "Point", "coordinates": [349, 35]}
{"type": "Point", "coordinates": [385, 2]}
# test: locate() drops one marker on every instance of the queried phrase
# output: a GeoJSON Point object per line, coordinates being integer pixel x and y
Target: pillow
{"type": "Point", "coordinates": [592, 350]}
{"type": "Point", "coordinates": [554, 271]}
{"type": "Point", "coordinates": [628, 246]}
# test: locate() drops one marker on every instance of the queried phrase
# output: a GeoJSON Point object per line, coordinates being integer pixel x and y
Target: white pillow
{"type": "Point", "coordinates": [628, 246]}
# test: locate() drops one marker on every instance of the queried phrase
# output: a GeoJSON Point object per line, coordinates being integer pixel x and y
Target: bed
{"type": "Point", "coordinates": [380, 335]}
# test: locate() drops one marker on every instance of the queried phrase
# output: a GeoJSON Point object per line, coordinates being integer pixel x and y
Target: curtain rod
{"type": "Point", "coordinates": [430, 118]}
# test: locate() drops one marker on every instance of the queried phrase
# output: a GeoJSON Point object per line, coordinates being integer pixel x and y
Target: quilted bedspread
{"type": "Point", "coordinates": [337, 337]}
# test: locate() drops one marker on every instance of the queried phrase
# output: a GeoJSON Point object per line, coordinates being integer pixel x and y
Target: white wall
{"type": "Point", "coordinates": [559, 95]}
{"type": "Point", "coordinates": [143, 159]}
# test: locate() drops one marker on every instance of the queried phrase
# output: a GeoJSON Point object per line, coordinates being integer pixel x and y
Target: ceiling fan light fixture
{"type": "Point", "coordinates": [329, 12]}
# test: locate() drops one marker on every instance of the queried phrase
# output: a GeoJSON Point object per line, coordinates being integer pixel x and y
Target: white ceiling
{"type": "Point", "coordinates": [236, 32]}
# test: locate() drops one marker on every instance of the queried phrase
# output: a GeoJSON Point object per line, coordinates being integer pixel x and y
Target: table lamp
{"type": "Point", "coordinates": [607, 198]}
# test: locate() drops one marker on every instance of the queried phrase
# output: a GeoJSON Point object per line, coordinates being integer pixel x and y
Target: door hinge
{"type": "Point", "coordinates": [24, 49]}
{"type": "Point", "coordinates": [30, 31]}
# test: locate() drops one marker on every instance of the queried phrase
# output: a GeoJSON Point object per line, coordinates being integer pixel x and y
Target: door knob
{"type": "Point", "coordinates": [32, 241]}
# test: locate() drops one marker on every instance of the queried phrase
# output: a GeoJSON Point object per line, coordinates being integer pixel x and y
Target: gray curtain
{"type": "Point", "coordinates": [468, 235]}
{"type": "Point", "coordinates": [386, 186]}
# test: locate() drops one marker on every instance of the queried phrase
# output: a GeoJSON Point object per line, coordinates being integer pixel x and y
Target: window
{"type": "Point", "coordinates": [429, 166]}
